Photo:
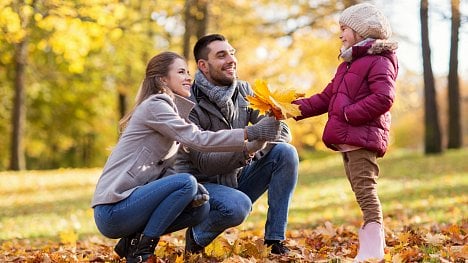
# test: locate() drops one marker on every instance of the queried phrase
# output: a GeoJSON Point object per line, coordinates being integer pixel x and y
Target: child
{"type": "Point", "coordinates": [358, 100]}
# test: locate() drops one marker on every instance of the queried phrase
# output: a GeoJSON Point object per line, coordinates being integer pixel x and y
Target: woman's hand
{"type": "Point", "coordinates": [201, 197]}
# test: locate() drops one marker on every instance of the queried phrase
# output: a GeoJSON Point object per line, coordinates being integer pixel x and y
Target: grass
{"type": "Point", "coordinates": [414, 189]}
{"type": "Point", "coordinates": [43, 204]}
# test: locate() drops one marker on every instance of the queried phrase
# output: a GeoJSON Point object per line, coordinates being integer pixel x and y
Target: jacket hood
{"type": "Point", "coordinates": [377, 47]}
{"type": "Point", "coordinates": [380, 47]}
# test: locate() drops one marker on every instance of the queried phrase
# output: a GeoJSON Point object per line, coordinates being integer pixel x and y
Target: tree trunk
{"type": "Point", "coordinates": [17, 159]}
{"type": "Point", "coordinates": [196, 22]}
{"type": "Point", "coordinates": [188, 30]}
{"type": "Point", "coordinates": [455, 140]}
{"type": "Point", "coordinates": [122, 101]}
{"type": "Point", "coordinates": [432, 135]}
{"type": "Point", "coordinates": [202, 18]}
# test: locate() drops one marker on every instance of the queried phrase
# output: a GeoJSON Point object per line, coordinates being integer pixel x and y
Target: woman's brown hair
{"type": "Point", "coordinates": [157, 67]}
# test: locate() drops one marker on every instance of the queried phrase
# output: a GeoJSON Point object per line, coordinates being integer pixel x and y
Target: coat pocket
{"type": "Point", "coordinates": [142, 165]}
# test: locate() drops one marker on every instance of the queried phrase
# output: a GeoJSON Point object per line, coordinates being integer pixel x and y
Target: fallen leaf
{"type": "Point", "coordinates": [327, 231]}
{"type": "Point", "coordinates": [437, 239]}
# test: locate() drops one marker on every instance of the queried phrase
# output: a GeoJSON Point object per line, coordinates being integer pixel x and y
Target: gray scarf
{"type": "Point", "coordinates": [347, 54]}
{"type": "Point", "coordinates": [219, 95]}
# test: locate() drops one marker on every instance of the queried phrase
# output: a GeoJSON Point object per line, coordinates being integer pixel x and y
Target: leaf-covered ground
{"type": "Point", "coordinates": [327, 243]}
{"type": "Point", "coordinates": [45, 216]}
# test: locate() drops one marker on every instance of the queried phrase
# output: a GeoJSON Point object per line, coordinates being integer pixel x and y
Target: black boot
{"type": "Point", "coordinates": [191, 246]}
{"type": "Point", "coordinates": [277, 247]}
{"type": "Point", "coordinates": [144, 251]}
{"type": "Point", "coordinates": [126, 245]}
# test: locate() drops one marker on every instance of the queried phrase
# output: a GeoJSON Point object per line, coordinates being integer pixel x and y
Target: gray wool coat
{"type": "Point", "coordinates": [146, 150]}
{"type": "Point", "coordinates": [206, 166]}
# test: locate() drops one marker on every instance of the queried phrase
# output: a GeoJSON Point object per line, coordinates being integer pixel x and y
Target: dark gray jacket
{"type": "Point", "coordinates": [206, 166]}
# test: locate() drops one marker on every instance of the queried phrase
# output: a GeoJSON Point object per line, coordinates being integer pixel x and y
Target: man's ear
{"type": "Point", "coordinates": [202, 65]}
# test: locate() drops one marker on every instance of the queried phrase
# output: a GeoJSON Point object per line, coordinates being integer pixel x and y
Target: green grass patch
{"type": "Point", "coordinates": [44, 204]}
{"type": "Point", "coordinates": [414, 189]}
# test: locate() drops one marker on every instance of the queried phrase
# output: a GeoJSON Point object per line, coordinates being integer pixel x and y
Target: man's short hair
{"type": "Point", "coordinates": [201, 50]}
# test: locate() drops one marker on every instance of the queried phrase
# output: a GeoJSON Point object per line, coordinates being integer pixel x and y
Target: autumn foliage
{"type": "Point", "coordinates": [274, 101]}
{"type": "Point", "coordinates": [45, 216]}
{"type": "Point", "coordinates": [432, 243]}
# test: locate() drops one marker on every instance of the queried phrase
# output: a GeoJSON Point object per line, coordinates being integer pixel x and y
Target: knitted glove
{"type": "Point", "coordinates": [229, 179]}
{"type": "Point", "coordinates": [285, 133]}
{"type": "Point", "coordinates": [267, 129]}
{"type": "Point", "coordinates": [201, 197]}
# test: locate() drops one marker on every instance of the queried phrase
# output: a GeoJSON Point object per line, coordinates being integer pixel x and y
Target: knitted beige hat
{"type": "Point", "coordinates": [367, 21]}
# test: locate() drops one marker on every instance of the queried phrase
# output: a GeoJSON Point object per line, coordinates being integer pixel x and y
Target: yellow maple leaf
{"type": "Point", "coordinates": [404, 237]}
{"type": "Point", "coordinates": [220, 248]}
{"type": "Point", "coordinates": [274, 101]}
{"type": "Point", "coordinates": [258, 104]}
{"type": "Point", "coordinates": [179, 259]}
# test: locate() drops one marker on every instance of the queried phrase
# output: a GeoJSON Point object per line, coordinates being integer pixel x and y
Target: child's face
{"type": "Point", "coordinates": [348, 36]}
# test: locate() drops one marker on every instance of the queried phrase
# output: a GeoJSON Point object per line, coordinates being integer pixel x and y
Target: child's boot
{"type": "Point", "coordinates": [371, 242]}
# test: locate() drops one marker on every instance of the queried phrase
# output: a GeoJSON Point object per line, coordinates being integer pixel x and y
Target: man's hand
{"type": "Point", "coordinates": [201, 197]}
{"type": "Point", "coordinates": [267, 129]}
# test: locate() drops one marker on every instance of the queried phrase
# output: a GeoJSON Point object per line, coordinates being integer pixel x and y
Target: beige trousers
{"type": "Point", "coordinates": [362, 171]}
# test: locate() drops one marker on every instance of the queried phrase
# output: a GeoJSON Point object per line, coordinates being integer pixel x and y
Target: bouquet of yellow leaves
{"type": "Point", "coordinates": [276, 102]}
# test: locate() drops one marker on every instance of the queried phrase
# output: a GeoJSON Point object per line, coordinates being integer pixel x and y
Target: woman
{"type": "Point", "coordinates": [135, 198]}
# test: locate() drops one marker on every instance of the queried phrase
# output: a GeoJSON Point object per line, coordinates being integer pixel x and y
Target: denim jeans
{"type": "Point", "coordinates": [157, 208]}
{"type": "Point", "coordinates": [275, 172]}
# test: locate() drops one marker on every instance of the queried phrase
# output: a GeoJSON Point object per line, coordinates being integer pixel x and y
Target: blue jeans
{"type": "Point", "coordinates": [157, 208]}
{"type": "Point", "coordinates": [275, 172]}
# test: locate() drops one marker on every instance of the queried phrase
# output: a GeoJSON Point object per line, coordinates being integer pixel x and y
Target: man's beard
{"type": "Point", "coordinates": [222, 79]}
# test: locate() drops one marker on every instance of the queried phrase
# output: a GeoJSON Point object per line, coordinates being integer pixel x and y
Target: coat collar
{"type": "Point", "coordinates": [184, 106]}
{"type": "Point", "coordinates": [385, 48]}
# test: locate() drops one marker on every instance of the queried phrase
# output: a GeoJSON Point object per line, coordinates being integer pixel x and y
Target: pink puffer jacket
{"type": "Point", "coordinates": [358, 99]}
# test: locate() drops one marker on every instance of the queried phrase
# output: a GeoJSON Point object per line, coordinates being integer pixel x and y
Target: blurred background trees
{"type": "Point", "coordinates": [432, 138]}
{"type": "Point", "coordinates": [455, 139]}
{"type": "Point", "coordinates": [70, 69]}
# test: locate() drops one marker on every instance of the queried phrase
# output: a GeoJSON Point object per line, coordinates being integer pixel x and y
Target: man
{"type": "Point", "coordinates": [235, 180]}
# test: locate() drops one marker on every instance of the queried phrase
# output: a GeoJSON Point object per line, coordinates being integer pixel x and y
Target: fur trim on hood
{"type": "Point", "coordinates": [380, 46]}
